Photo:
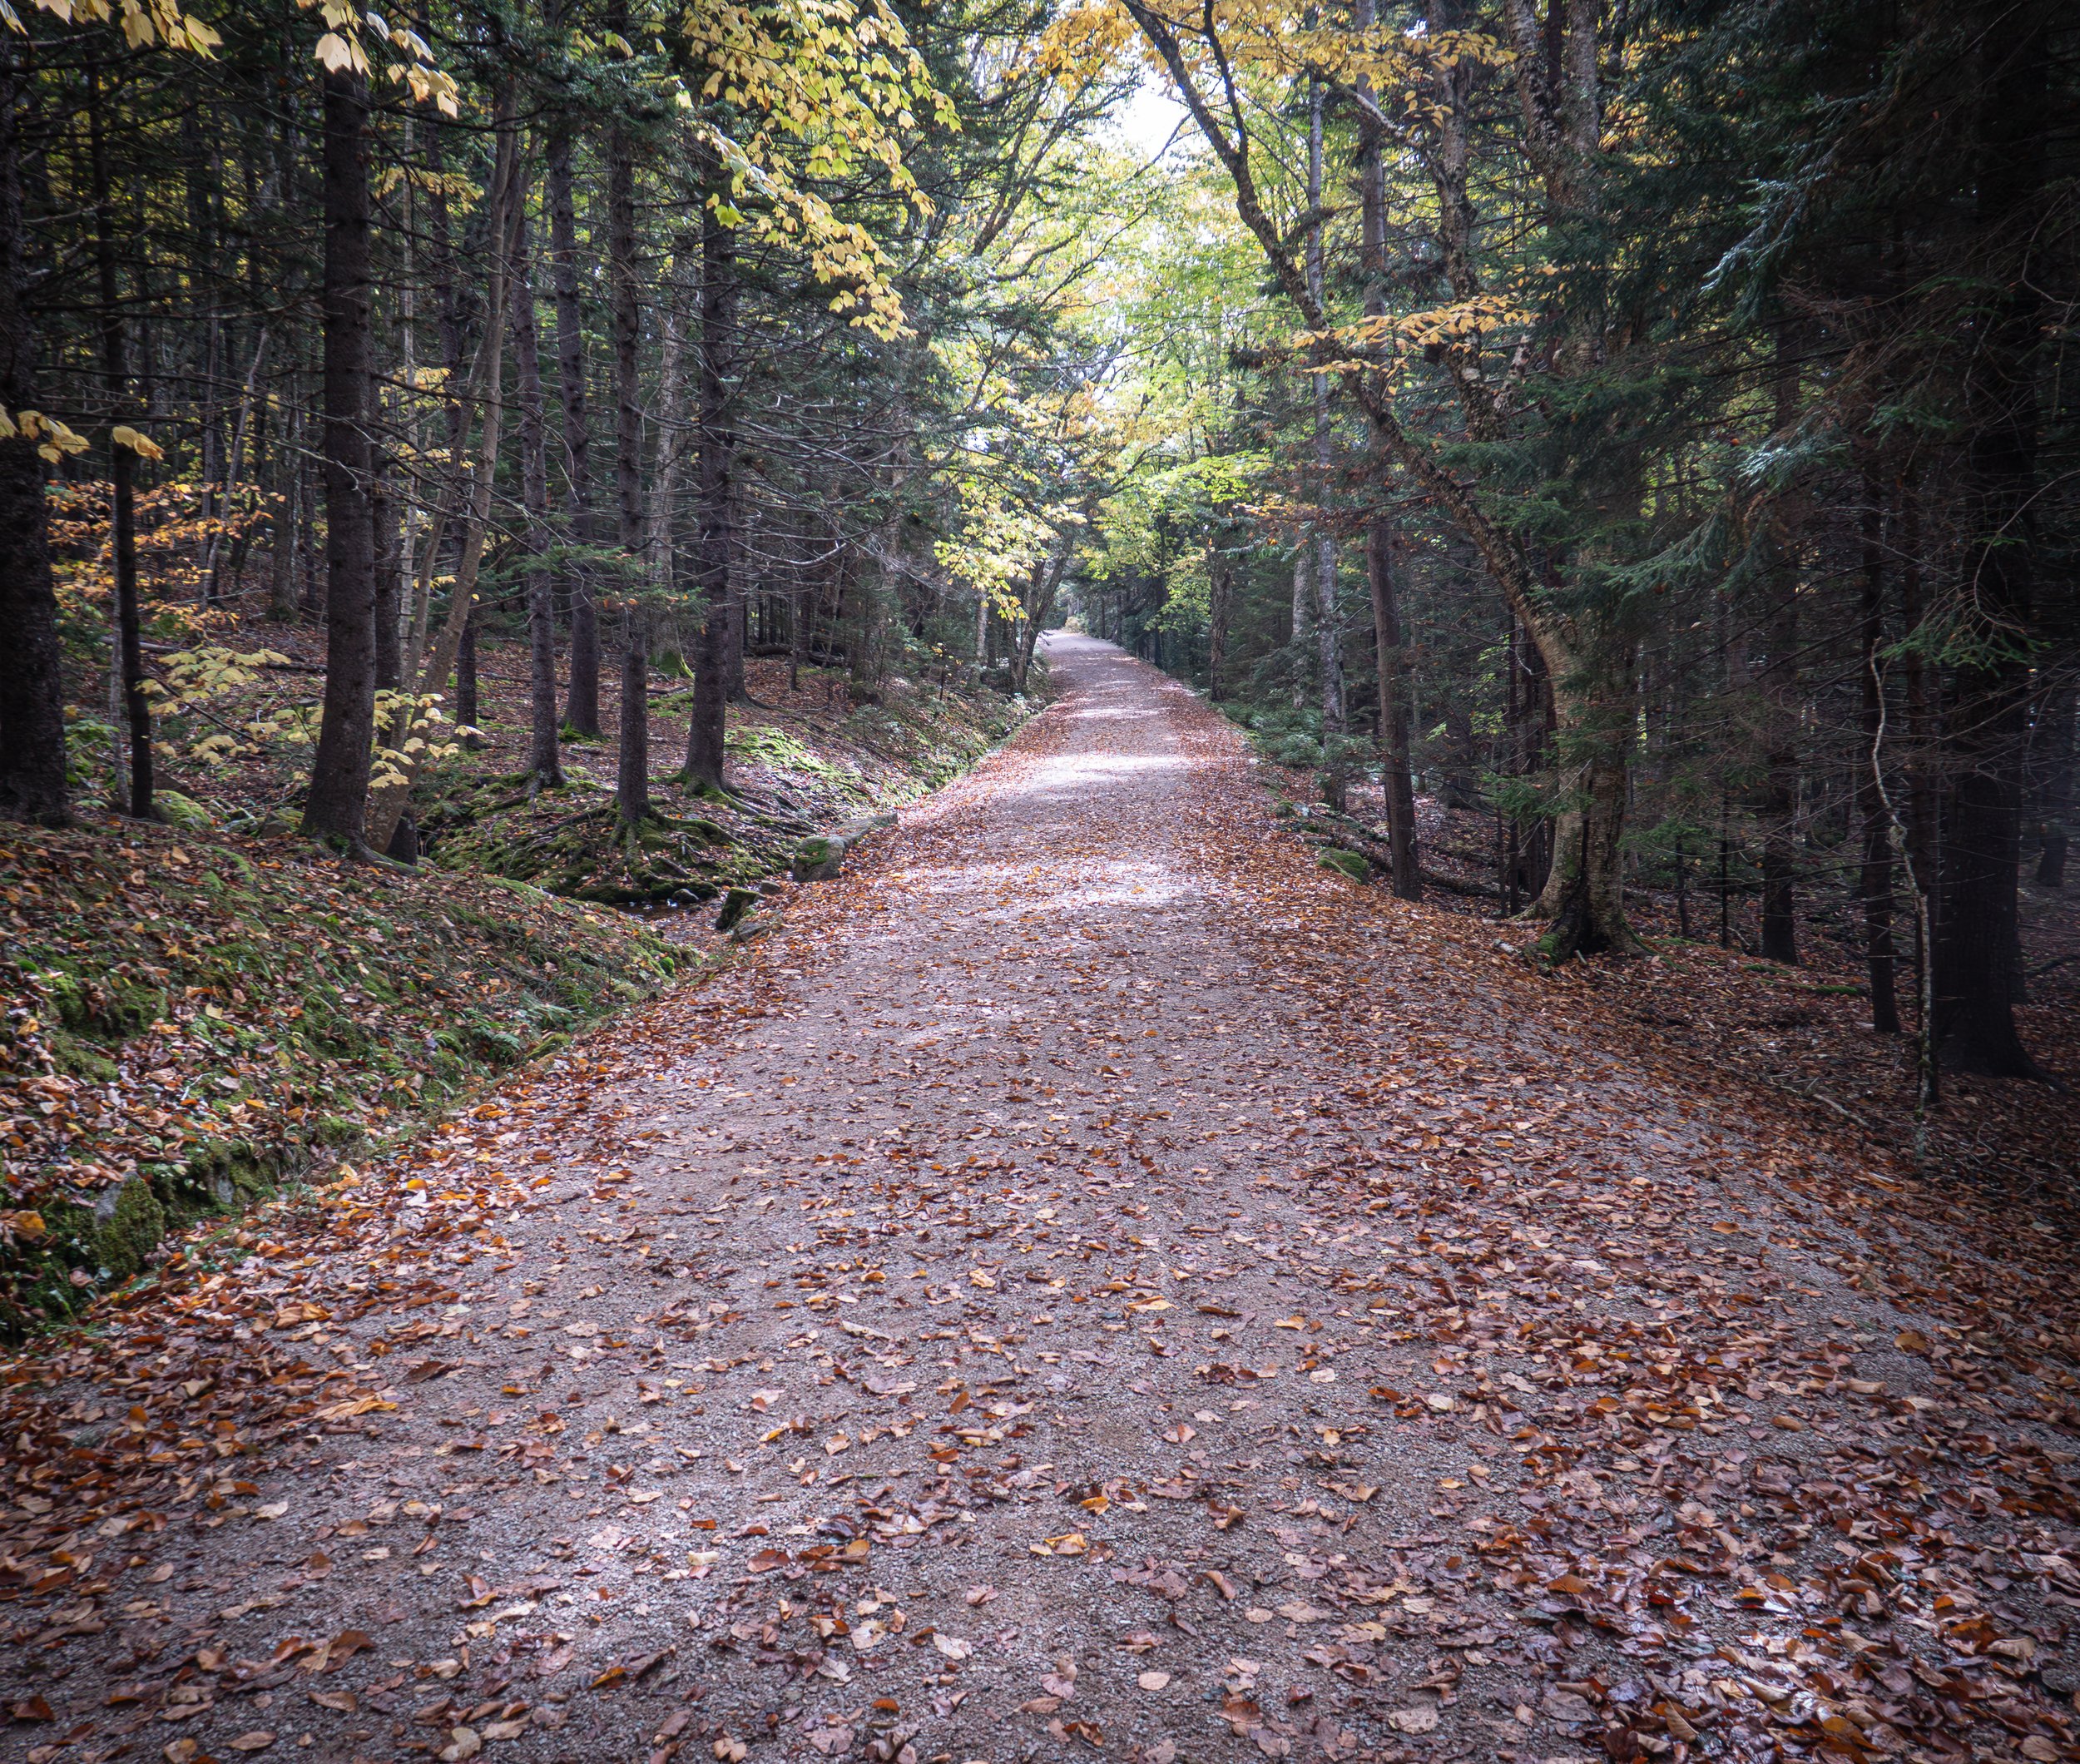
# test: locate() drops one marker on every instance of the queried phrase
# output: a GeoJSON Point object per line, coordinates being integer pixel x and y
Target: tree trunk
{"type": "Point", "coordinates": [1583, 897]}
{"type": "Point", "coordinates": [136, 706]}
{"type": "Point", "coordinates": [338, 802]}
{"type": "Point", "coordinates": [632, 777]}
{"type": "Point", "coordinates": [1045, 588]}
{"type": "Point", "coordinates": [1876, 879]}
{"type": "Point", "coordinates": [1220, 597]}
{"type": "Point", "coordinates": [545, 760]}
{"type": "Point", "coordinates": [468, 703]}
{"type": "Point", "coordinates": [704, 734]}
{"type": "Point", "coordinates": [1397, 785]}
{"type": "Point", "coordinates": [581, 705]}
{"type": "Point", "coordinates": [2054, 755]}
{"type": "Point", "coordinates": [32, 766]}
{"type": "Point", "coordinates": [288, 534]}
{"type": "Point", "coordinates": [1976, 943]}
{"type": "Point", "coordinates": [1779, 805]}
{"type": "Point", "coordinates": [1329, 635]}
{"type": "Point", "coordinates": [390, 585]}
{"type": "Point", "coordinates": [1303, 598]}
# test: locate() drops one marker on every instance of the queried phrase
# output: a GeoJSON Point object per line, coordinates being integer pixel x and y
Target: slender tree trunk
{"type": "Point", "coordinates": [1303, 598]}
{"type": "Point", "coordinates": [545, 760]}
{"type": "Point", "coordinates": [704, 767]}
{"type": "Point", "coordinates": [1876, 879]}
{"type": "Point", "coordinates": [2055, 745]}
{"type": "Point", "coordinates": [1220, 596]}
{"type": "Point", "coordinates": [288, 535]}
{"type": "Point", "coordinates": [389, 584]}
{"type": "Point", "coordinates": [1329, 634]}
{"type": "Point", "coordinates": [32, 765]}
{"type": "Point", "coordinates": [1397, 783]}
{"type": "Point", "coordinates": [1779, 807]}
{"type": "Point", "coordinates": [631, 787]}
{"type": "Point", "coordinates": [129, 669]}
{"type": "Point", "coordinates": [1977, 941]}
{"type": "Point", "coordinates": [581, 704]}
{"type": "Point", "coordinates": [338, 802]}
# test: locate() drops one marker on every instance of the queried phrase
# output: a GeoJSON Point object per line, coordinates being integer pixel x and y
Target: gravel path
{"type": "Point", "coordinates": [1090, 1283]}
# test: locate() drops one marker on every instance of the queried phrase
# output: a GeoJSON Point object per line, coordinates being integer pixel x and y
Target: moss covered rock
{"type": "Point", "coordinates": [1344, 863]}
{"type": "Point", "coordinates": [818, 858]}
{"type": "Point", "coordinates": [127, 1228]}
{"type": "Point", "coordinates": [735, 903]}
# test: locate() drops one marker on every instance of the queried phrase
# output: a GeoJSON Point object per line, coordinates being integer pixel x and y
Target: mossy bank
{"type": "Point", "coordinates": [192, 1018]}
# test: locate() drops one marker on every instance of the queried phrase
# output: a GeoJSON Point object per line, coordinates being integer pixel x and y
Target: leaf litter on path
{"type": "Point", "coordinates": [1092, 1283]}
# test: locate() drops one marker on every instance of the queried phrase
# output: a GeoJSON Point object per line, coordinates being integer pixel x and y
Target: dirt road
{"type": "Point", "coordinates": [1090, 1283]}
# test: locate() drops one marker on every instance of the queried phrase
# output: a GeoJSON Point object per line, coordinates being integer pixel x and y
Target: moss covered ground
{"type": "Point", "coordinates": [193, 1017]}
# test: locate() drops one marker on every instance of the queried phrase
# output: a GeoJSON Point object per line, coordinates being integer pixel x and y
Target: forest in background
{"type": "Point", "coordinates": [1640, 431]}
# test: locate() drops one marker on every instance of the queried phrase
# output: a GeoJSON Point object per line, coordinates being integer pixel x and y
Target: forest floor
{"type": "Point", "coordinates": [1092, 1284]}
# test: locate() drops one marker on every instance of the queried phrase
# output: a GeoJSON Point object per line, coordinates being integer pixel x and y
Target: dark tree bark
{"type": "Point", "coordinates": [1977, 973]}
{"type": "Point", "coordinates": [2055, 755]}
{"type": "Point", "coordinates": [581, 704]}
{"type": "Point", "coordinates": [32, 767]}
{"type": "Point", "coordinates": [1220, 600]}
{"type": "Point", "coordinates": [1778, 809]}
{"type": "Point", "coordinates": [338, 798]}
{"type": "Point", "coordinates": [468, 704]}
{"type": "Point", "coordinates": [385, 516]}
{"type": "Point", "coordinates": [704, 767]}
{"type": "Point", "coordinates": [1875, 882]}
{"type": "Point", "coordinates": [1397, 783]}
{"type": "Point", "coordinates": [1397, 786]}
{"type": "Point", "coordinates": [631, 786]}
{"type": "Point", "coordinates": [545, 760]}
{"type": "Point", "coordinates": [122, 462]}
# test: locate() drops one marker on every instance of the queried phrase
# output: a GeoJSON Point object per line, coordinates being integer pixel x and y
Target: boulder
{"type": "Point", "coordinates": [818, 858]}
{"type": "Point", "coordinates": [129, 1222]}
{"type": "Point", "coordinates": [735, 903]}
{"type": "Point", "coordinates": [1350, 864]}
{"type": "Point", "coordinates": [184, 812]}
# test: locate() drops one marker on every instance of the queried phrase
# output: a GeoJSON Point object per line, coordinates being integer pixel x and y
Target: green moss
{"type": "Point", "coordinates": [76, 1059]}
{"type": "Point", "coordinates": [1350, 864]}
{"type": "Point", "coordinates": [131, 1230]}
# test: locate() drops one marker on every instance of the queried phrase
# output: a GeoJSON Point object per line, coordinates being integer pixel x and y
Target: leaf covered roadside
{"type": "Point", "coordinates": [1297, 1332]}
{"type": "Point", "coordinates": [189, 1018]}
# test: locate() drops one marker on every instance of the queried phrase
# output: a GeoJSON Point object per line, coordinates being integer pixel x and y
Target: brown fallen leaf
{"type": "Point", "coordinates": [259, 1740]}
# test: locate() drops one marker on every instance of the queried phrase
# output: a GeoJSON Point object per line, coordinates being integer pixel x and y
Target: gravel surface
{"type": "Point", "coordinates": [1087, 1282]}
